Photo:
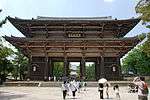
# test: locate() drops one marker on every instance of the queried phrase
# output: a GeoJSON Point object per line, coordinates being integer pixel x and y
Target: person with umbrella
{"type": "Point", "coordinates": [101, 83]}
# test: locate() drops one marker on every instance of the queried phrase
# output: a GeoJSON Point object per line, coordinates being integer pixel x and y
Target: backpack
{"type": "Point", "coordinates": [145, 89]}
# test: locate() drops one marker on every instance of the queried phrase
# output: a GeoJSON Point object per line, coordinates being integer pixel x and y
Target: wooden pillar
{"type": "Point", "coordinates": [119, 68]}
{"type": "Point", "coordinates": [46, 68]}
{"type": "Point", "coordinates": [29, 67]}
{"type": "Point", "coordinates": [67, 69]}
{"type": "Point", "coordinates": [102, 69]}
{"type": "Point", "coordinates": [50, 67]}
{"type": "Point", "coordinates": [96, 71]}
{"type": "Point", "coordinates": [98, 68]}
{"type": "Point", "coordinates": [65, 66]}
{"type": "Point", "coordinates": [82, 68]}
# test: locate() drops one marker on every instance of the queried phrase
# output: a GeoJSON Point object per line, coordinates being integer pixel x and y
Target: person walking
{"type": "Point", "coordinates": [142, 88]}
{"type": "Point", "coordinates": [73, 88]}
{"type": "Point", "coordinates": [84, 85]}
{"type": "Point", "coordinates": [100, 89]}
{"type": "Point", "coordinates": [107, 90]}
{"type": "Point", "coordinates": [64, 89]}
{"type": "Point", "coordinates": [116, 89]}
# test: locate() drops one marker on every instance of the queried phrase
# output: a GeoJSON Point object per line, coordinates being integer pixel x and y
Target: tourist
{"type": "Point", "coordinates": [78, 86]}
{"type": "Point", "coordinates": [64, 89]}
{"type": "Point", "coordinates": [54, 78]}
{"type": "Point", "coordinates": [73, 88]}
{"type": "Point", "coordinates": [142, 88]}
{"type": "Point", "coordinates": [84, 85]}
{"type": "Point", "coordinates": [100, 89]}
{"type": "Point", "coordinates": [107, 90]}
{"type": "Point", "coordinates": [49, 78]}
{"type": "Point", "coordinates": [116, 89]}
{"type": "Point", "coordinates": [69, 90]}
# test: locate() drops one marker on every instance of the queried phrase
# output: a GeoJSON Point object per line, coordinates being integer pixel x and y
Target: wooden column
{"type": "Point", "coordinates": [67, 69]}
{"type": "Point", "coordinates": [29, 67]}
{"type": "Point", "coordinates": [30, 62]}
{"type": "Point", "coordinates": [82, 68]}
{"type": "Point", "coordinates": [46, 62]}
{"type": "Point", "coordinates": [102, 70]}
{"type": "Point", "coordinates": [50, 67]}
{"type": "Point", "coordinates": [46, 68]}
{"type": "Point", "coordinates": [65, 66]}
{"type": "Point", "coordinates": [119, 68]}
{"type": "Point", "coordinates": [97, 68]}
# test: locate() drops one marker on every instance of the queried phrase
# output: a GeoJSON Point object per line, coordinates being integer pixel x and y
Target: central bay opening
{"type": "Point", "coordinates": [74, 68]}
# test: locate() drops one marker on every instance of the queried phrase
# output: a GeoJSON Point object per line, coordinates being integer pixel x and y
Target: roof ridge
{"type": "Point", "coordinates": [73, 18]}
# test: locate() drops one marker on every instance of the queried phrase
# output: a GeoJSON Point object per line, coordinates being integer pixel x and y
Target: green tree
{"type": "Point", "coordinates": [143, 8]}
{"type": "Point", "coordinates": [136, 61]}
{"type": "Point", "coordinates": [58, 69]}
{"type": "Point", "coordinates": [3, 21]}
{"type": "Point", "coordinates": [90, 72]}
{"type": "Point", "coordinates": [5, 62]}
{"type": "Point", "coordinates": [20, 66]}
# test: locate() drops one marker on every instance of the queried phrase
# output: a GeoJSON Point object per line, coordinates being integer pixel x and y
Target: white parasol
{"type": "Point", "coordinates": [102, 80]}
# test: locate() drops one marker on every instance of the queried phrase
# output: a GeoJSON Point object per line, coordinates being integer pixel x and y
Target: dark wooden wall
{"type": "Point", "coordinates": [107, 67]}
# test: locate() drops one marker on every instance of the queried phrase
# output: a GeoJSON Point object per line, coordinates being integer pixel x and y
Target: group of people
{"type": "Point", "coordinates": [140, 86]}
{"type": "Point", "coordinates": [107, 85]}
{"type": "Point", "coordinates": [72, 87]}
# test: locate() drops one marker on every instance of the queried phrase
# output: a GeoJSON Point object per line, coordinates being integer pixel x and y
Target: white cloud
{"type": "Point", "coordinates": [109, 0]}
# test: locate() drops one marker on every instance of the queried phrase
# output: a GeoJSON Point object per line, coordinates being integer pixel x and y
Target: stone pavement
{"type": "Point", "coordinates": [54, 93]}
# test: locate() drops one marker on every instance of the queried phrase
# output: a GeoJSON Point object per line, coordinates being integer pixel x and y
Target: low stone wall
{"type": "Point", "coordinates": [58, 84]}
{"type": "Point", "coordinates": [147, 78]}
{"type": "Point", "coordinates": [21, 83]}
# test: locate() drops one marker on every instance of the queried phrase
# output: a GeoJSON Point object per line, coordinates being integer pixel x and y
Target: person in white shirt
{"type": "Point", "coordinates": [73, 88]}
{"type": "Point", "coordinates": [116, 89]}
{"type": "Point", "coordinates": [140, 82]}
{"type": "Point", "coordinates": [64, 89]}
{"type": "Point", "coordinates": [54, 78]}
{"type": "Point", "coordinates": [107, 89]}
{"type": "Point", "coordinates": [84, 85]}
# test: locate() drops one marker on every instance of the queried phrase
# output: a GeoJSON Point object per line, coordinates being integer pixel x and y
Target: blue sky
{"type": "Point", "coordinates": [121, 9]}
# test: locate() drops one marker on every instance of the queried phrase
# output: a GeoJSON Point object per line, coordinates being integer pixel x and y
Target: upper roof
{"type": "Point", "coordinates": [101, 24]}
{"type": "Point", "coordinates": [41, 18]}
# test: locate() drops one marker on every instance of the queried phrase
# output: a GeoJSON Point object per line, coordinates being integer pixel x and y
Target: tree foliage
{"type": "Point", "coordinates": [90, 72]}
{"type": "Point", "coordinates": [137, 62]}
{"type": "Point", "coordinates": [3, 21]}
{"type": "Point", "coordinates": [20, 66]}
{"type": "Point", "coordinates": [12, 63]}
{"type": "Point", "coordinates": [146, 46]}
{"type": "Point", "coordinates": [58, 69]}
{"type": "Point", "coordinates": [5, 62]}
{"type": "Point", "coordinates": [143, 8]}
